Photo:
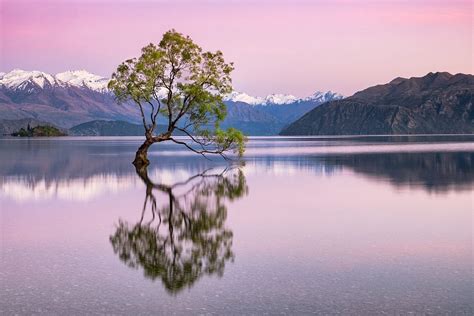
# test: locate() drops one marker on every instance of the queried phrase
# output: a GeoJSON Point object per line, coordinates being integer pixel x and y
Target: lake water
{"type": "Point", "coordinates": [355, 225]}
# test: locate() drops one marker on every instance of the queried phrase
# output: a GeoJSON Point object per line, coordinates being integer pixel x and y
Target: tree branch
{"type": "Point", "coordinates": [201, 152]}
{"type": "Point", "coordinates": [143, 115]}
{"type": "Point", "coordinates": [159, 105]}
{"type": "Point", "coordinates": [200, 142]}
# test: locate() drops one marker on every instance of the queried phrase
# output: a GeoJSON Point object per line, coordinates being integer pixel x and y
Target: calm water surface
{"type": "Point", "coordinates": [365, 225]}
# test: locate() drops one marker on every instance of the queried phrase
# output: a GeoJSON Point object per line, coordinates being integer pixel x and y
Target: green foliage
{"type": "Point", "coordinates": [177, 80]}
{"type": "Point", "coordinates": [39, 131]}
{"type": "Point", "coordinates": [23, 133]}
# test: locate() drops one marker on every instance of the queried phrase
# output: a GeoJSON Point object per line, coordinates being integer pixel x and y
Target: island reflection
{"type": "Point", "coordinates": [181, 233]}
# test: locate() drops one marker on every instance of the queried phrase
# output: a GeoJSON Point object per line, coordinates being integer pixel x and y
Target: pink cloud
{"type": "Point", "coordinates": [291, 47]}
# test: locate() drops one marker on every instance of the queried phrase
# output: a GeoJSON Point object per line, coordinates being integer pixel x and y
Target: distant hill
{"type": "Point", "coordinates": [107, 128]}
{"type": "Point", "coordinates": [75, 97]}
{"type": "Point", "coordinates": [112, 128]}
{"type": "Point", "coordinates": [434, 104]}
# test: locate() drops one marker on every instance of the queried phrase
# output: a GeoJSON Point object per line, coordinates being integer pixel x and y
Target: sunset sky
{"type": "Point", "coordinates": [294, 47]}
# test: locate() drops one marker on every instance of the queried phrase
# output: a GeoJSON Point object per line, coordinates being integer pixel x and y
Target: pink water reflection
{"type": "Point", "coordinates": [331, 233]}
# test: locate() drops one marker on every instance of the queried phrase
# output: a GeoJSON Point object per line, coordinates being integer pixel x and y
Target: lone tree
{"type": "Point", "coordinates": [183, 84]}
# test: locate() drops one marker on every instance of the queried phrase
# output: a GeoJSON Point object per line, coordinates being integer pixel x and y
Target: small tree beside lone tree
{"type": "Point", "coordinates": [185, 85]}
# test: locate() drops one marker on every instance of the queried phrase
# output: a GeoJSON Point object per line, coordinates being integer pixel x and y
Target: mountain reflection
{"type": "Point", "coordinates": [434, 172]}
{"type": "Point", "coordinates": [181, 233]}
{"type": "Point", "coordinates": [85, 169]}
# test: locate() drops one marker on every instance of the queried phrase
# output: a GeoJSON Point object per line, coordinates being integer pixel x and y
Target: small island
{"type": "Point", "coordinates": [39, 131]}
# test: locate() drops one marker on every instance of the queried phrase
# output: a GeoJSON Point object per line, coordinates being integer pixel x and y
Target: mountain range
{"type": "Point", "coordinates": [80, 102]}
{"type": "Point", "coordinates": [437, 103]}
{"type": "Point", "coordinates": [71, 98]}
{"type": "Point", "coordinates": [65, 100]}
{"type": "Point", "coordinates": [268, 117]}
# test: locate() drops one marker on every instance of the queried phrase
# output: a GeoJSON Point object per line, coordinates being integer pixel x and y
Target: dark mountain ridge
{"type": "Point", "coordinates": [438, 103]}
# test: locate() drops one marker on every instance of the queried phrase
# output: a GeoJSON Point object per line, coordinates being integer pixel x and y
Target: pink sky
{"type": "Point", "coordinates": [293, 47]}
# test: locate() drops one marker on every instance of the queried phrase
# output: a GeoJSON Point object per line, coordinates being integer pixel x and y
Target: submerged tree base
{"type": "Point", "coordinates": [141, 156]}
{"type": "Point", "coordinates": [141, 160]}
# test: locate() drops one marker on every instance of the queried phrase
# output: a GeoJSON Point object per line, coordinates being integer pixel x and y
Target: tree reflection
{"type": "Point", "coordinates": [185, 236]}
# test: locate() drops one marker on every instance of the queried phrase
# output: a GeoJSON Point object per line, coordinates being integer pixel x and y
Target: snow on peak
{"type": "Point", "coordinates": [19, 79]}
{"type": "Point", "coordinates": [281, 98]}
{"type": "Point", "coordinates": [243, 97]}
{"type": "Point", "coordinates": [323, 96]}
{"type": "Point", "coordinates": [82, 78]}
{"type": "Point", "coordinates": [269, 99]}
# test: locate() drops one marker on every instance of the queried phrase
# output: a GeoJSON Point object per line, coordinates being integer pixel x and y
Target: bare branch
{"type": "Point", "coordinates": [201, 152]}
{"type": "Point", "coordinates": [143, 115]}
{"type": "Point", "coordinates": [194, 139]}
{"type": "Point", "coordinates": [204, 151]}
{"type": "Point", "coordinates": [152, 112]}
{"type": "Point", "coordinates": [159, 105]}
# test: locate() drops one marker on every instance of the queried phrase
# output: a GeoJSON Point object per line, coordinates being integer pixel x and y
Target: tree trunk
{"type": "Point", "coordinates": [141, 159]}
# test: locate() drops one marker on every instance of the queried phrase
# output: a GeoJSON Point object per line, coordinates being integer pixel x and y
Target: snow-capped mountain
{"type": "Point", "coordinates": [267, 115]}
{"type": "Point", "coordinates": [278, 99]}
{"type": "Point", "coordinates": [269, 99]}
{"type": "Point", "coordinates": [21, 79]}
{"type": "Point", "coordinates": [243, 97]}
{"type": "Point", "coordinates": [323, 96]}
{"type": "Point", "coordinates": [82, 78]}
{"type": "Point", "coordinates": [64, 99]}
